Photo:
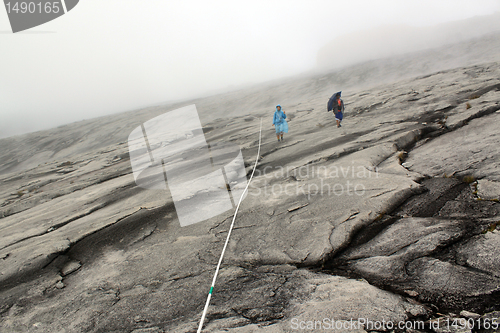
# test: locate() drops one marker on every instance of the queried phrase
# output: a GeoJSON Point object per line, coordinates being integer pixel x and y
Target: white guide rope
{"type": "Point", "coordinates": [229, 234]}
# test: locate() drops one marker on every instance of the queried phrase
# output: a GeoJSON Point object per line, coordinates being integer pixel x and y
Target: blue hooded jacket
{"type": "Point", "coordinates": [279, 116]}
{"type": "Point", "coordinates": [279, 121]}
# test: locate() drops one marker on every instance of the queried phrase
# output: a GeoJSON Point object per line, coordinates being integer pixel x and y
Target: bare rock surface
{"type": "Point", "coordinates": [425, 247]}
{"type": "Point", "coordinates": [488, 190]}
{"type": "Point", "coordinates": [469, 150]}
{"type": "Point", "coordinates": [481, 253]}
{"type": "Point", "coordinates": [352, 223]}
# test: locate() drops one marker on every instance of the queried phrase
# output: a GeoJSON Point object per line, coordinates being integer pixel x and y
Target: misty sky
{"type": "Point", "coordinates": [107, 56]}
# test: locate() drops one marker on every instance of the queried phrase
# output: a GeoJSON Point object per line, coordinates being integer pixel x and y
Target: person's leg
{"type": "Point", "coordinates": [281, 136]}
{"type": "Point", "coordinates": [278, 136]}
{"type": "Point", "coordinates": [338, 122]}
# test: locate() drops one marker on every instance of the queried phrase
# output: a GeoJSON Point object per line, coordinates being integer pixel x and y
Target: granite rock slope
{"type": "Point", "coordinates": [391, 217]}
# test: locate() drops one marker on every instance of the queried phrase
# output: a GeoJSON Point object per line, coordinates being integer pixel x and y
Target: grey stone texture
{"type": "Point", "coordinates": [391, 217]}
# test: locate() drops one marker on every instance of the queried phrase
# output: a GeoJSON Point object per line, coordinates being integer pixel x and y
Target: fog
{"type": "Point", "coordinates": [111, 56]}
{"type": "Point", "coordinates": [392, 40]}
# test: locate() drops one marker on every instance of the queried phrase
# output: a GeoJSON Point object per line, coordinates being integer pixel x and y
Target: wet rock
{"type": "Point", "coordinates": [327, 198]}
{"type": "Point", "coordinates": [438, 192]}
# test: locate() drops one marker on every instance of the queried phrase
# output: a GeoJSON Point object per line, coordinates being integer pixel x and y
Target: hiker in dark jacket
{"type": "Point", "coordinates": [338, 110]}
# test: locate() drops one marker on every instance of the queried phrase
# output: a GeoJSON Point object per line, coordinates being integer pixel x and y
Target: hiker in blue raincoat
{"type": "Point", "coordinates": [279, 122]}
